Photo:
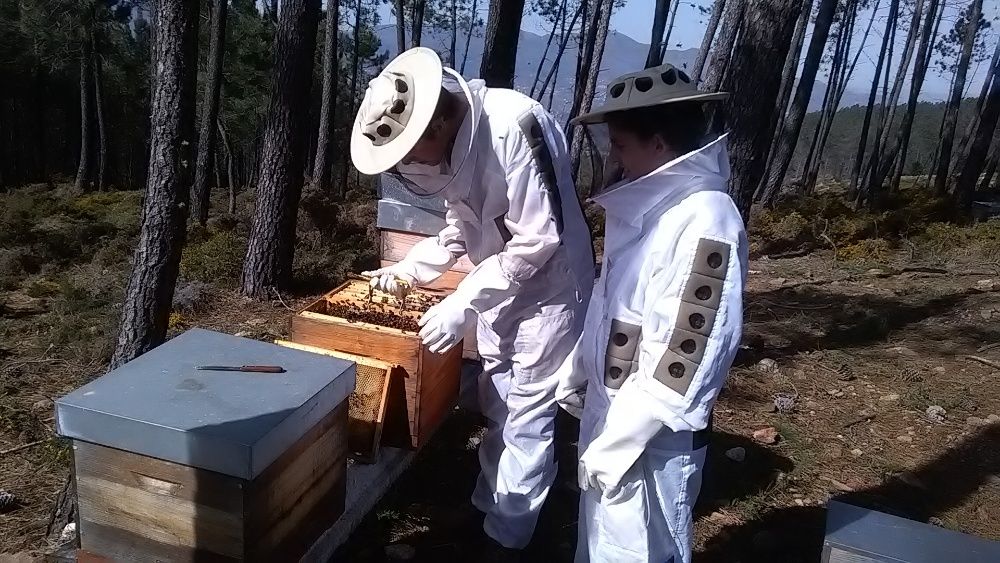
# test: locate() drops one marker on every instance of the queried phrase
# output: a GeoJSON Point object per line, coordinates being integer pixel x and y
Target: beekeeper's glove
{"type": "Point", "coordinates": [444, 324]}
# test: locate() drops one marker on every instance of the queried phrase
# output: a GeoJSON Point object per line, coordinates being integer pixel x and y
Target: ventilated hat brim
{"type": "Point", "coordinates": [600, 114]}
{"type": "Point", "coordinates": [424, 68]}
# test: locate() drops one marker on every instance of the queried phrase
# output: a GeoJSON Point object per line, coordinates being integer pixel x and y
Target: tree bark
{"type": "Point", "coordinates": [271, 247]}
{"type": "Point", "coordinates": [83, 169]}
{"type": "Point", "coordinates": [788, 74]}
{"type": "Point", "coordinates": [548, 44]}
{"type": "Point", "coordinates": [585, 56]}
{"type": "Point", "coordinates": [789, 136]}
{"type": "Point", "coordinates": [969, 176]}
{"type": "Point", "coordinates": [889, 110]}
{"type": "Point", "coordinates": [230, 179]}
{"type": "Point", "coordinates": [473, 18]}
{"type": "Point", "coordinates": [603, 10]}
{"type": "Point", "coordinates": [502, 34]}
{"type": "Point", "coordinates": [828, 96]}
{"type": "Point", "coordinates": [417, 15]}
{"type": "Point", "coordinates": [200, 192]}
{"type": "Point", "coordinates": [846, 72]}
{"type": "Point", "coordinates": [322, 166]}
{"type": "Point", "coordinates": [400, 26]}
{"type": "Point", "coordinates": [888, 40]}
{"type": "Point", "coordinates": [454, 34]}
{"type": "Point", "coordinates": [156, 262]}
{"type": "Point", "coordinates": [754, 83]}
{"type": "Point", "coordinates": [102, 138]}
{"type": "Point", "coordinates": [706, 42]}
{"type": "Point", "coordinates": [881, 169]}
{"type": "Point", "coordinates": [670, 30]}
{"type": "Point", "coordinates": [974, 122]}
{"type": "Point", "coordinates": [950, 122]}
{"type": "Point", "coordinates": [355, 66]}
{"type": "Point", "coordinates": [722, 54]}
{"type": "Point", "coordinates": [563, 42]}
{"type": "Point", "coordinates": [990, 168]}
{"type": "Point", "coordinates": [656, 33]}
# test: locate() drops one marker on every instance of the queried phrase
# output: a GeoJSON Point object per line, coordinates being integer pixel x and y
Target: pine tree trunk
{"type": "Point", "coordinates": [706, 41]}
{"type": "Point", "coordinates": [548, 44]}
{"type": "Point", "coordinates": [272, 11]}
{"type": "Point", "coordinates": [881, 170]}
{"type": "Point", "coordinates": [473, 18]}
{"type": "Point", "coordinates": [454, 34]}
{"type": "Point", "coordinates": [974, 122]}
{"type": "Point", "coordinates": [355, 67]}
{"type": "Point", "coordinates": [200, 192]}
{"type": "Point", "coordinates": [888, 39]}
{"type": "Point", "coordinates": [554, 71]}
{"type": "Point", "coordinates": [83, 170]}
{"type": "Point", "coordinates": [670, 30]}
{"type": "Point", "coordinates": [788, 74]}
{"type": "Point", "coordinates": [417, 15]}
{"type": "Point", "coordinates": [958, 89]}
{"type": "Point", "coordinates": [102, 138]}
{"type": "Point", "coordinates": [502, 34]}
{"type": "Point", "coordinates": [400, 26]}
{"type": "Point", "coordinates": [789, 136]}
{"type": "Point", "coordinates": [846, 72]}
{"type": "Point", "coordinates": [230, 178]}
{"type": "Point", "coordinates": [902, 151]}
{"type": "Point", "coordinates": [965, 188]}
{"type": "Point", "coordinates": [585, 56]}
{"type": "Point", "coordinates": [889, 111]}
{"type": "Point", "coordinates": [603, 9]}
{"type": "Point", "coordinates": [828, 96]}
{"type": "Point", "coordinates": [150, 290]}
{"type": "Point", "coordinates": [271, 247]}
{"type": "Point", "coordinates": [322, 166]}
{"type": "Point", "coordinates": [990, 168]}
{"type": "Point", "coordinates": [722, 55]}
{"type": "Point", "coordinates": [754, 81]}
{"type": "Point", "coordinates": [656, 34]}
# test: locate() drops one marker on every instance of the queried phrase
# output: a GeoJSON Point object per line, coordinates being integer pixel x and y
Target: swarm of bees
{"type": "Point", "coordinates": [385, 310]}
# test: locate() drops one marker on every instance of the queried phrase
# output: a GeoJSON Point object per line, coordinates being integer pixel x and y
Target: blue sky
{"type": "Point", "coordinates": [635, 18]}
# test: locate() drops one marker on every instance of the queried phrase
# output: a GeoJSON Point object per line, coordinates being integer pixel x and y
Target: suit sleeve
{"type": "Point", "coordinates": [691, 329]}
{"type": "Point", "coordinates": [430, 258]}
{"type": "Point", "coordinates": [532, 225]}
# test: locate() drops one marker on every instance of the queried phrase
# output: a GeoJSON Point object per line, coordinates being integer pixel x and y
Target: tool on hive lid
{"type": "Point", "coordinates": [249, 369]}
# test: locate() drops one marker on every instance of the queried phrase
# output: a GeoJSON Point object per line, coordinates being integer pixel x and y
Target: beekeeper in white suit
{"type": "Point", "coordinates": [664, 323]}
{"type": "Point", "coordinates": [500, 163]}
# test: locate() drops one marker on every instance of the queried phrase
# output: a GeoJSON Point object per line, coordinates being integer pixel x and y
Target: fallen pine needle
{"type": "Point", "coordinates": [988, 347]}
{"type": "Point", "coordinates": [859, 420]}
{"type": "Point", "coordinates": [984, 361]}
{"type": "Point", "coordinates": [22, 447]}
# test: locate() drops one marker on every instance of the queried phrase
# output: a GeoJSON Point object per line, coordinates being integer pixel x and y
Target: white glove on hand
{"type": "Point", "coordinates": [443, 325]}
{"type": "Point", "coordinates": [388, 280]}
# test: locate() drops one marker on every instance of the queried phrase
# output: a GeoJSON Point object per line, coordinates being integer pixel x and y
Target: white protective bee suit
{"type": "Point", "coordinates": [661, 333]}
{"type": "Point", "coordinates": [513, 209]}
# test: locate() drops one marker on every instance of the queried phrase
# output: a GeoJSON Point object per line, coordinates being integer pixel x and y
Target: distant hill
{"type": "Point", "coordinates": [622, 55]}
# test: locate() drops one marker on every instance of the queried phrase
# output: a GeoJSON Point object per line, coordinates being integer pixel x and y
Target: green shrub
{"type": "Point", "coordinates": [217, 260]}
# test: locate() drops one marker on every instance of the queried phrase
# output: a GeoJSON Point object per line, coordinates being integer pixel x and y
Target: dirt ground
{"type": "Point", "coordinates": [864, 352]}
{"type": "Point", "coordinates": [858, 352]}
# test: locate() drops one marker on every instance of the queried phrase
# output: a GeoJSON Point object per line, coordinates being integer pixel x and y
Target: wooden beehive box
{"type": "Point", "coordinates": [429, 386]}
{"type": "Point", "coordinates": [176, 464]}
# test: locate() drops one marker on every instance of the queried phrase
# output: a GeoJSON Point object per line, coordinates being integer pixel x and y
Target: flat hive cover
{"type": "Point", "coordinates": [234, 423]}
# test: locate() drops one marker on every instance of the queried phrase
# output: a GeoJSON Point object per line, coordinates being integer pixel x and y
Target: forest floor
{"type": "Point", "coordinates": [862, 331]}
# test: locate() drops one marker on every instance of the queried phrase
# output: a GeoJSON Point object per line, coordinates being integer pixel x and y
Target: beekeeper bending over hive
{"type": "Point", "coordinates": [500, 162]}
{"type": "Point", "coordinates": [664, 323]}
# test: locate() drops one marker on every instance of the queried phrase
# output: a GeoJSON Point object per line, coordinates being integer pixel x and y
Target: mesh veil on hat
{"type": "Point", "coordinates": [397, 108]}
{"type": "Point", "coordinates": [654, 86]}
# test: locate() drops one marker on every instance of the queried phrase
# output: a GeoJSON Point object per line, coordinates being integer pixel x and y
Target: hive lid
{"type": "Point", "coordinates": [234, 423]}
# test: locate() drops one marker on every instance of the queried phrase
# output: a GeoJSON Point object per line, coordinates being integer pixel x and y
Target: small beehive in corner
{"type": "Point", "coordinates": [177, 464]}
